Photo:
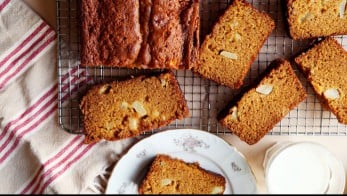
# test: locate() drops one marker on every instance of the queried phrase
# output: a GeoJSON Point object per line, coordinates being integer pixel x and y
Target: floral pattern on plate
{"type": "Point", "coordinates": [209, 150]}
{"type": "Point", "coordinates": [190, 143]}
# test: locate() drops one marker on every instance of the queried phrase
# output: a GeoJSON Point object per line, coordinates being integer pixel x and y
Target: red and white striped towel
{"type": "Point", "coordinates": [36, 155]}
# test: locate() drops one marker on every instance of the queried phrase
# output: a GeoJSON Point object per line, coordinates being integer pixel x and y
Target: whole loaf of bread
{"type": "Point", "coordinates": [140, 33]}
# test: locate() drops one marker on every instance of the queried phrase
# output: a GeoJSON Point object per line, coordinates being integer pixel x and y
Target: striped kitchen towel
{"type": "Point", "coordinates": [36, 155]}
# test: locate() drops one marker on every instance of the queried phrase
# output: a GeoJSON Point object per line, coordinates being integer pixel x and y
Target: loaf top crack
{"type": "Point", "coordinates": [140, 33]}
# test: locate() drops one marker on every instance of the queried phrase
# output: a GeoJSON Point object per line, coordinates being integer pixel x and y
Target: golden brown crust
{"type": "Point", "coordinates": [312, 19]}
{"type": "Point", "coordinates": [325, 66]}
{"type": "Point", "coordinates": [101, 46]}
{"type": "Point", "coordinates": [191, 25]}
{"type": "Point", "coordinates": [259, 110]}
{"type": "Point", "coordinates": [123, 109]}
{"type": "Point", "coordinates": [241, 30]}
{"type": "Point", "coordinates": [148, 34]}
{"type": "Point", "coordinates": [169, 175]}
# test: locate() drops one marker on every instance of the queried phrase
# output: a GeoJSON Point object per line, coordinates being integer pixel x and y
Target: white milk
{"type": "Point", "coordinates": [297, 168]}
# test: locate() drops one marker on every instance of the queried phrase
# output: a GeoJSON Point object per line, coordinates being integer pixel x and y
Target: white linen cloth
{"type": "Point", "coordinates": [36, 155]}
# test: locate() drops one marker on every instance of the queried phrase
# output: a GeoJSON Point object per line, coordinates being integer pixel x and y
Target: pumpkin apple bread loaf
{"type": "Point", "coordinates": [325, 66]}
{"type": "Point", "coordinates": [310, 19]}
{"type": "Point", "coordinates": [227, 54]}
{"type": "Point", "coordinates": [169, 175]}
{"type": "Point", "coordinates": [146, 34]}
{"type": "Point", "coordinates": [263, 106]}
{"type": "Point", "coordinates": [123, 109]}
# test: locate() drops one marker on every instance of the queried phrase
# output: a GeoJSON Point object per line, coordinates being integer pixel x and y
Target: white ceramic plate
{"type": "Point", "coordinates": [209, 150]}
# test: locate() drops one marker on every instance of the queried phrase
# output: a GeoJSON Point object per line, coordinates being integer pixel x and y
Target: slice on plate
{"type": "Point", "coordinates": [169, 175]}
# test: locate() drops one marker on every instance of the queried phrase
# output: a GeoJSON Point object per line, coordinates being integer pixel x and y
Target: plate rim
{"type": "Point", "coordinates": [248, 173]}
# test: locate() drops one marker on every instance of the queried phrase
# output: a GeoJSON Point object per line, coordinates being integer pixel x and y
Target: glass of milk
{"type": "Point", "coordinates": [297, 168]}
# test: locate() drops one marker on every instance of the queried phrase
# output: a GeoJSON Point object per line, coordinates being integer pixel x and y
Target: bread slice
{"type": "Point", "coordinates": [325, 66]}
{"type": "Point", "coordinates": [263, 106]}
{"type": "Point", "coordinates": [123, 109]}
{"type": "Point", "coordinates": [169, 175]}
{"type": "Point", "coordinates": [310, 19]}
{"type": "Point", "coordinates": [227, 54]}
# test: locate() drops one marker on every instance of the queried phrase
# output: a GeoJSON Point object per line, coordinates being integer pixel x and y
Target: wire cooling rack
{"type": "Point", "coordinates": [205, 98]}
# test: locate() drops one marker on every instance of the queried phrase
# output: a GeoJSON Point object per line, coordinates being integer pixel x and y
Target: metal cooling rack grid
{"type": "Point", "coordinates": [205, 98]}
